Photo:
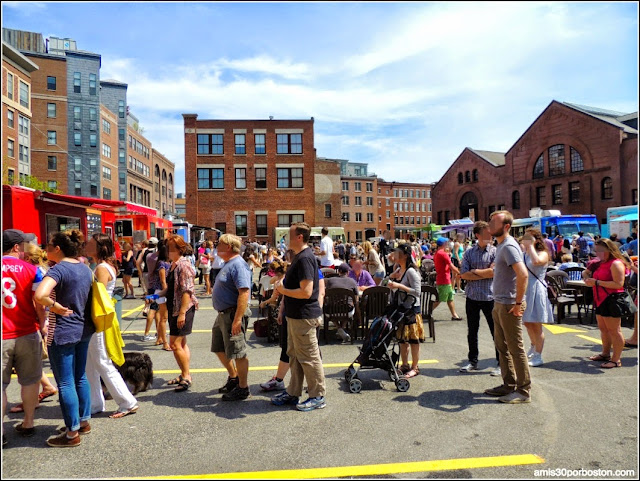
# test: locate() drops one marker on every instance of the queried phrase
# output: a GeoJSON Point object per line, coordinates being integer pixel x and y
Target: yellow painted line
{"type": "Point", "coordinates": [254, 368]}
{"type": "Point", "coordinates": [126, 314]}
{"type": "Point", "coordinates": [553, 329]}
{"type": "Point", "coordinates": [370, 470]}
{"type": "Point", "coordinates": [592, 339]}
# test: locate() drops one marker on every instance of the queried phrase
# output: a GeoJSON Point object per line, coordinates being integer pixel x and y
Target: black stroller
{"type": "Point", "coordinates": [380, 349]}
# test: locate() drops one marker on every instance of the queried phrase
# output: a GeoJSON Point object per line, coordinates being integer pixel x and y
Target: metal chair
{"type": "Point", "coordinates": [373, 303]}
{"type": "Point", "coordinates": [428, 296]}
{"type": "Point", "coordinates": [337, 308]}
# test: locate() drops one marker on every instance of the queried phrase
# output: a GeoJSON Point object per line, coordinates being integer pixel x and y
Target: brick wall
{"type": "Point", "coordinates": [413, 216]}
{"type": "Point", "coordinates": [109, 137]}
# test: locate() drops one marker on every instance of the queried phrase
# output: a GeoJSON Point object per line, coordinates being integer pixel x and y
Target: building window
{"type": "Point", "coordinates": [10, 86]}
{"type": "Point", "coordinates": [358, 186]}
{"type": "Point", "coordinates": [467, 176]}
{"type": "Point", "coordinates": [92, 84]}
{"type": "Point", "coordinates": [77, 114]}
{"type": "Point", "coordinates": [77, 138]}
{"type": "Point", "coordinates": [556, 160]}
{"type": "Point", "coordinates": [52, 185]}
{"type": "Point", "coordinates": [106, 173]}
{"type": "Point", "coordinates": [515, 199]}
{"type": "Point", "coordinates": [241, 225]}
{"type": "Point", "coordinates": [93, 115]}
{"type": "Point", "coordinates": [260, 140]}
{"type": "Point", "coordinates": [210, 144]}
{"type": "Point", "coordinates": [607, 188]}
{"type": "Point", "coordinates": [574, 192]}
{"type": "Point", "coordinates": [76, 82]}
{"type": "Point", "coordinates": [370, 201]}
{"type": "Point", "coordinates": [576, 161]}
{"type": "Point", "coordinates": [289, 143]}
{"type": "Point", "coordinates": [51, 111]}
{"type": "Point", "coordinates": [210, 178]}
{"type": "Point", "coordinates": [369, 186]}
{"type": "Point", "coordinates": [241, 178]}
{"type": "Point", "coordinates": [634, 196]}
{"type": "Point", "coordinates": [261, 224]}
{"type": "Point", "coordinates": [541, 199]}
{"type": "Point", "coordinates": [51, 83]}
{"type": "Point", "coordinates": [345, 186]}
{"type": "Point", "coordinates": [369, 217]}
{"type": "Point", "coordinates": [285, 220]}
{"type": "Point", "coordinates": [358, 200]}
{"type": "Point", "coordinates": [557, 194]}
{"type": "Point", "coordinates": [388, 214]}
{"type": "Point", "coordinates": [290, 178]}
{"type": "Point", "coordinates": [106, 126]}
{"type": "Point", "coordinates": [23, 153]}
{"type": "Point", "coordinates": [345, 217]}
{"type": "Point", "coordinates": [121, 135]}
{"type": "Point", "coordinates": [52, 162]}
{"type": "Point", "coordinates": [345, 200]}
{"type": "Point", "coordinates": [327, 210]}
{"type": "Point", "coordinates": [11, 148]}
{"type": "Point", "coordinates": [121, 109]}
{"type": "Point", "coordinates": [10, 119]}
{"type": "Point", "coordinates": [52, 137]}
{"type": "Point", "coordinates": [358, 217]}
{"type": "Point", "coordinates": [460, 178]}
{"type": "Point", "coordinates": [240, 144]}
{"type": "Point", "coordinates": [93, 140]}
{"type": "Point", "coordinates": [94, 190]}
{"type": "Point", "coordinates": [261, 178]}
{"type": "Point", "coordinates": [474, 175]}
{"type": "Point", "coordinates": [538, 169]}
{"type": "Point", "coordinates": [24, 94]}
{"type": "Point", "coordinates": [77, 188]}
{"type": "Point", "coordinates": [106, 193]}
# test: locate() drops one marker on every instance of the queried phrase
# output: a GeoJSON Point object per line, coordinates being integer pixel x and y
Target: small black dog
{"type": "Point", "coordinates": [137, 370]}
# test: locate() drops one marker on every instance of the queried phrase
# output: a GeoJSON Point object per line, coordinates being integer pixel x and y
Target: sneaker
{"type": "Point", "coordinates": [311, 404]}
{"type": "Point", "coordinates": [284, 398]}
{"type": "Point", "coordinates": [496, 372]}
{"type": "Point", "coordinates": [469, 367]}
{"type": "Point", "coordinates": [536, 360]}
{"type": "Point", "coordinates": [515, 398]}
{"type": "Point", "coordinates": [25, 432]}
{"type": "Point", "coordinates": [62, 441]}
{"type": "Point", "coordinates": [231, 384]}
{"type": "Point", "coordinates": [501, 390]}
{"type": "Point", "coordinates": [237, 394]}
{"type": "Point", "coordinates": [343, 335]}
{"type": "Point", "coordinates": [531, 352]}
{"type": "Point", "coordinates": [273, 385]}
{"type": "Point", "coordinates": [148, 337]}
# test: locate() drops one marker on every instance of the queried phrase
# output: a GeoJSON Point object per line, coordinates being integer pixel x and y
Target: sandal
{"type": "Point", "coordinates": [183, 385]}
{"type": "Point", "coordinates": [412, 373]}
{"type": "Point", "coordinates": [175, 381]}
{"type": "Point", "coordinates": [44, 395]}
{"type": "Point", "coordinates": [167, 347]}
{"type": "Point", "coordinates": [120, 414]}
{"type": "Point", "coordinates": [611, 364]}
{"type": "Point", "coordinates": [405, 368]}
{"type": "Point", "coordinates": [629, 345]}
{"type": "Point", "coordinates": [456, 318]}
{"type": "Point", "coordinates": [600, 357]}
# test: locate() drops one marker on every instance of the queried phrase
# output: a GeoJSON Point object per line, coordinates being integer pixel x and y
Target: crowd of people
{"type": "Point", "coordinates": [46, 306]}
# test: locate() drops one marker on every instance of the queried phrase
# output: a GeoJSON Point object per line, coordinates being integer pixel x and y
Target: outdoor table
{"type": "Point", "coordinates": [587, 295]}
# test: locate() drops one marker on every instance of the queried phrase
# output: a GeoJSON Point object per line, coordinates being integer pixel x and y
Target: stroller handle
{"type": "Point", "coordinates": [403, 296]}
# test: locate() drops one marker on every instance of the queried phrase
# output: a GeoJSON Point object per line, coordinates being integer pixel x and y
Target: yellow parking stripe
{"type": "Point", "coordinates": [592, 339]}
{"type": "Point", "coordinates": [371, 470]}
{"type": "Point", "coordinates": [553, 329]}
{"type": "Point", "coordinates": [128, 313]}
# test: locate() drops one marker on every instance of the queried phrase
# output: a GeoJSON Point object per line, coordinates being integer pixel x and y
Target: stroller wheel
{"type": "Point", "coordinates": [355, 386]}
{"type": "Point", "coordinates": [392, 376]}
{"type": "Point", "coordinates": [347, 375]}
{"type": "Point", "coordinates": [402, 385]}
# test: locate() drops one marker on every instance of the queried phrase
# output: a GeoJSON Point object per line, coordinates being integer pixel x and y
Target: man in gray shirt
{"type": "Point", "coordinates": [509, 285]}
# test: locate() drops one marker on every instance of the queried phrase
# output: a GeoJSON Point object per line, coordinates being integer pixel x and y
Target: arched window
{"type": "Point", "coordinates": [157, 171]}
{"type": "Point", "coordinates": [170, 179]}
{"type": "Point", "coordinates": [538, 169]}
{"type": "Point", "coordinates": [515, 199]}
{"type": "Point", "coordinates": [474, 175]}
{"type": "Point", "coordinates": [607, 188]}
{"type": "Point", "coordinates": [576, 161]}
{"type": "Point", "coordinates": [556, 160]}
{"type": "Point", "coordinates": [467, 176]}
{"type": "Point", "coordinates": [164, 175]}
{"type": "Point", "coordinates": [460, 178]}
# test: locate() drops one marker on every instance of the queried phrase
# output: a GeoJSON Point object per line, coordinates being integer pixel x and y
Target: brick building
{"type": "Point", "coordinates": [49, 136]}
{"type": "Point", "coordinates": [108, 153]}
{"type": "Point", "coordinates": [163, 188]}
{"type": "Point", "coordinates": [16, 113]}
{"type": "Point", "coordinates": [139, 164]}
{"type": "Point", "coordinates": [404, 208]}
{"type": "Point", "coordinates": [247, 177]}
{"type": "Point", "coordinates": [576, 159]}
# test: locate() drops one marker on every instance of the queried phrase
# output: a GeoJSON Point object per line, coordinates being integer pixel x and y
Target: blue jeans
{"type": "Point", "coordinates": [68, 364]}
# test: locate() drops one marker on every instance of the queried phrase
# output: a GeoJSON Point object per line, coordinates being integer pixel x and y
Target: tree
{"type": "Point", "coordinates": [28, 181]}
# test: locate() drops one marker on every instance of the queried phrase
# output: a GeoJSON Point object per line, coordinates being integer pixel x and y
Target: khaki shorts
{"type": "Point", "coordinates": [25, 355]}
{"type": "Point", "coordinates": [234, 347]}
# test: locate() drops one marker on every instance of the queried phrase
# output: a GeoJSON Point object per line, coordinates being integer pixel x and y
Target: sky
{"type": "Point", "coordinates": [402, 86]}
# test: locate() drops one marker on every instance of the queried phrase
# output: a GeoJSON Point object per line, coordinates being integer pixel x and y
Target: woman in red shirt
{"type": "Point", "coordinates": [607, 277]}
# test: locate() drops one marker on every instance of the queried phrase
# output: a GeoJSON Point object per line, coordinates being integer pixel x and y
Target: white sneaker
{"type": "Point", "coordinates": [343, 335]}
{"type": "Point", "coordinates": [536, 360]}
{"type": "Point", "coordinates": [148, 337]}
{"type": "Point", "coordinates": [273, 385]}
{"type": "Point", "coordinates": [496, 372]}
{"type": "Point", "coordinates": [469, 367]}
{"type": "Point", "coordinates": [531, 352]}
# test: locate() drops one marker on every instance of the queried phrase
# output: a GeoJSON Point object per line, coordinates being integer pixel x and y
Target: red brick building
{"type": "Point", "coordinates": [108, 153]}
{"type": "Point", "coordinates": [247, 177]}
{"type": "Point", "coordinates": [575, 159]}
{"type": "Point", "coordinates": [404, 208]}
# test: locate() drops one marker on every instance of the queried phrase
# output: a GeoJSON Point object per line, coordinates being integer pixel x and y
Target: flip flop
{"type": "Point", "coordinates": [121, 414]}
{"type": "Point", "coordinates": [456, 318]}
{"type": "Point", "coordinates": [600, 357]}
{"type": "Point", "coordinates": [611, 364]}
{"type": "Point", "coordinates": [42, 396]}
{"type": "Point", "coordinates": [168, 348]}
{"type": "Point", "coordinates": [175, 381]}
{"type": "Point", "coordinates": [629, 345]}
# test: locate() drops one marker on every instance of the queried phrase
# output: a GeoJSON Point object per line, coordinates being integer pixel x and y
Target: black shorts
{"type": "Point", "coordinates": [455, 262]}
{"type": "Point", "coordinates": [128, 272]}
{"type": "Point", "coordinates": [188, 324]}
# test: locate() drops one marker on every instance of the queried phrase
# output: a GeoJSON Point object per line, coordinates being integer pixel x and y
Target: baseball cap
{"type": "Point", "coordinates": [153, 240]}
{"type": "Point", "coordinates": [344, 268]}
{"type": "Point", "coordinates": [11, 237]}
{"type": "Point", "coordinates": [441, 241]}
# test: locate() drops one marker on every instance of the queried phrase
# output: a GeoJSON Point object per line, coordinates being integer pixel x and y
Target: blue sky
{"type": "Point", "coordinates": [402, 86]}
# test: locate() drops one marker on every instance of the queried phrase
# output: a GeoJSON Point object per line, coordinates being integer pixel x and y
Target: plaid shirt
{"type": "Point", "coordinates": [477, 258]}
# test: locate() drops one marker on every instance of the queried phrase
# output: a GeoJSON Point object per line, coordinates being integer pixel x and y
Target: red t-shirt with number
{"type": "Point", "coordinates": [19, 280]}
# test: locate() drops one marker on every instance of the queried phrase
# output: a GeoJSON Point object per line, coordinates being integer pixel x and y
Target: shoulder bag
{"type": "Point", "coordinates": [620, 302]}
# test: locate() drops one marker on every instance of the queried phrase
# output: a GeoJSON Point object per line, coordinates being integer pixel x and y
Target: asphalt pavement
{"type": "Point", "coordinates": [582, 421]}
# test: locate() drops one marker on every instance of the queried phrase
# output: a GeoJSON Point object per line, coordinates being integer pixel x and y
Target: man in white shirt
{"type": "Point", "coordinates": [325, 251]}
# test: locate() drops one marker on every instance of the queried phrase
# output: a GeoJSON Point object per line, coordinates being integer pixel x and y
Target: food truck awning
{"type": "Point", "coordinates": [139, 209]}
{"type": "Point", "coordinates": [102, 204]}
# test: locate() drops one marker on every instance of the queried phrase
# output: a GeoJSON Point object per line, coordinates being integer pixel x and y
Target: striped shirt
{"type": "Point", "coordinates": [478, 258]}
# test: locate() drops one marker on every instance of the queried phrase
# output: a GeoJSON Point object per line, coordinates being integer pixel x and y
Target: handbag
{"type": "Point", "coordinates": [620, 301]}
